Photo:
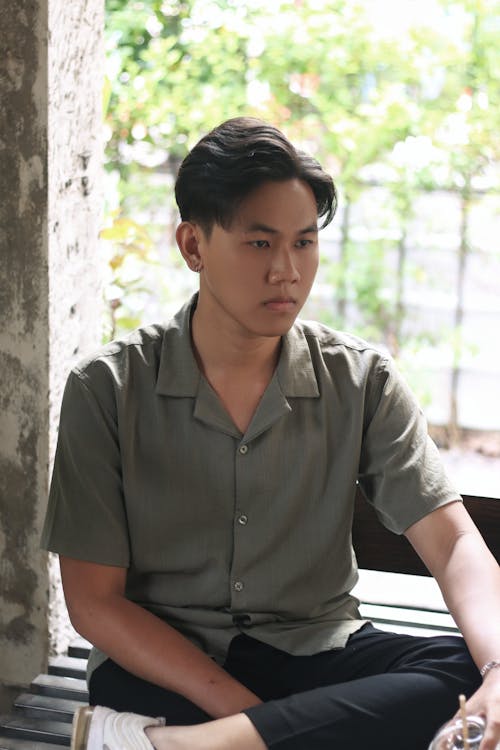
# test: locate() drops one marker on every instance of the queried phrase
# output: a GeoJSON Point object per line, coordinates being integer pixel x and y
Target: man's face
{"type": "Point", "coordinates": [257, 274]}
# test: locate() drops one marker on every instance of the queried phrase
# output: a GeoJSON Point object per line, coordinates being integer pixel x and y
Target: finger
{"type": "Point", "coordinates": [491, 740]}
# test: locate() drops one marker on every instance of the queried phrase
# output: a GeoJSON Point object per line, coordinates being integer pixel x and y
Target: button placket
{"type": "Point", "coordinates": [240, 540]}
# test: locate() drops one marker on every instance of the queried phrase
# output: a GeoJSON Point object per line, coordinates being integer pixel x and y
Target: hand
{"type": "Point", "coordinates": [485, 702]}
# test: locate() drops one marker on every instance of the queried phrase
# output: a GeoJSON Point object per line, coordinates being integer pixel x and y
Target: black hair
{"type": "Point", "coordinates": [234, 159]}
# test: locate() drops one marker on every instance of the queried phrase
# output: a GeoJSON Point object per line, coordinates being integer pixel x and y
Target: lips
{"type": "Point", "coordinates": [281, 304]}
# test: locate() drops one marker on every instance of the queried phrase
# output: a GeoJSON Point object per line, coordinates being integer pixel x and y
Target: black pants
{"type": "Point", "coordinates": [382, 691]}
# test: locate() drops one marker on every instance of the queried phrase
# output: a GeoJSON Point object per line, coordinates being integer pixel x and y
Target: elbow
{"type": "Point", "coordinates": [81, 614]}
{"type": "Point", "coordinates": [92, 592]}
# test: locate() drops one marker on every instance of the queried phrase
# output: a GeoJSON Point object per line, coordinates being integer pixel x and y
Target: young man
{"type": "Point", "coordinates": [202, 498]}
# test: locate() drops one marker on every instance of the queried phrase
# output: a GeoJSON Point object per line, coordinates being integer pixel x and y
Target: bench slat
{"type": "Point", "coordinates": [399, 616]}
{"type": "Point", "coordinates": [68, 666]}
{"type": "Point", "coordinates": [47, 707]}
{"type": "Point", "coordinates": [419, 630]}
{"type": "Point", "coordinates": [11, 743]}
{"type": "Point", "coordinates": [379, 549]}
{"type": "Point", "coordinates": [60, 687]}
{"type": "Point", "coordinates": [79, 648]}
{"type": "Point", "coordinates": [24, 728]}
{"type": "Point", "coordinates": [485, 512]}
{"type": "Point", "coordinates": [399, 590]}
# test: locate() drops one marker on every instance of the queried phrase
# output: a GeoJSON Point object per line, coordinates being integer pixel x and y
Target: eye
{"type": "Point", "coordinates": [260, 243]}
{"type": "Point", "coordinates": [303, 243]}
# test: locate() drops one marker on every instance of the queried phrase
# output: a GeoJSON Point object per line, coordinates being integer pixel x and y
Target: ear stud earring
{"type": "Point", "coordinates": [196, 266]}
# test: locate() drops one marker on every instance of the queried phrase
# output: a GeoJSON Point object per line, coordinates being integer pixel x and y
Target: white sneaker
{"type": "Point", "coordinates": [99, 728]}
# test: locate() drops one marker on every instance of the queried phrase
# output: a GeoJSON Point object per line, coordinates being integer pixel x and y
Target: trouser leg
{"type": "Point", "coordinates": [382, 691]}
{"type": "Point", "coordinates": [114, 687]}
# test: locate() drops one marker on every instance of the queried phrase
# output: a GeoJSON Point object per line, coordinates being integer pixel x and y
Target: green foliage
{"type": "Point", "coordinates": [132, 247]}
{"type": "Point", "coordinates": [416, 108]}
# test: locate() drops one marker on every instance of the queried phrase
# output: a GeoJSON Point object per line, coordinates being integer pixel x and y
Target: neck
{"type": "Point", "coordinates": [222, 351]}
{"type": "Point", "coordinates": [238, 365]}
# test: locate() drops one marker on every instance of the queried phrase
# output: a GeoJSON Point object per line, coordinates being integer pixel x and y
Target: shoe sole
{"type": "Point", "coordinates": [81, 726]}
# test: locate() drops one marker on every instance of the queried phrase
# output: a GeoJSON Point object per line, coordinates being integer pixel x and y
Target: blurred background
{"type": "Point", "coordinates": [400, 101]}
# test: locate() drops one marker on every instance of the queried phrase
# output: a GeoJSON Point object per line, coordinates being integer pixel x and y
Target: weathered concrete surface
{"type": "Point", "coordinates": [24, 340]}
{"type": "Point", "coordinates": [76, 64]}
{"type": "Point", "coordinates": [50, 93]}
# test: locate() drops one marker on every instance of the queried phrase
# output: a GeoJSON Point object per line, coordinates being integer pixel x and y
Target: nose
{"type": "Point", "coordinates": [283, 267]}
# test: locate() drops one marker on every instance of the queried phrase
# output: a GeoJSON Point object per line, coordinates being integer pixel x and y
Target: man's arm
{"type": "Point", "coordinates": [453, 550]}
{"type": "Point", "coordinates": [142, 643]}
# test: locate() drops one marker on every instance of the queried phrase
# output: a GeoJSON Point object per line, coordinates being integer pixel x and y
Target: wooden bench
{"type": "Point", "coordinates": [41, 717]}
{"type": "Point", "coordinates": [389, 597]}
{"type": "Point", "coordinates": [379, 549]}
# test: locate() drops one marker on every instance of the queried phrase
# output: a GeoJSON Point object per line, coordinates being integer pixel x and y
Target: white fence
{"type": "Point", "coordinates": [431, 296]}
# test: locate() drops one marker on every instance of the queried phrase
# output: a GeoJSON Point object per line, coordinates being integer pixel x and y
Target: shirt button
{"type": "Point", "coordinates": [242, 621]}
{"type": "Point", "coordinates": [243, 519]}
{"type": "Point", "coordinates": [238, 586]}
{"type": "Point", "coordinates": [243, 449]}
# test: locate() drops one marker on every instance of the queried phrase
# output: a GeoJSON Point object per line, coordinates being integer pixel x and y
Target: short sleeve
{"type": "Point", "coordinates": [401, 473]}
{"type": "Point", "coordinates": [86, 516]}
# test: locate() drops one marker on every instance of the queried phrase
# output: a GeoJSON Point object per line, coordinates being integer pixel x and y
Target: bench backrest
{"type": "Point", "coordinates": [378, 549]}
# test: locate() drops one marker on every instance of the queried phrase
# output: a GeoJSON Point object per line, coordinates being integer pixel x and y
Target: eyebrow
{"type": "Point", "coordinates": [258, 227]}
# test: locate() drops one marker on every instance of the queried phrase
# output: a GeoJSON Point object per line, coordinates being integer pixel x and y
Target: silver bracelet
{"type": "Point", "coordinates": [488, 667]}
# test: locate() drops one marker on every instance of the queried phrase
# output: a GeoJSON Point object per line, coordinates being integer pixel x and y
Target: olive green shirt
{"type": "Point", "coordinates": [222, 532]}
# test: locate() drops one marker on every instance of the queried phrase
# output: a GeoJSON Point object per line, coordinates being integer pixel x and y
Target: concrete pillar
{"type": "Point", "coordinates": [51, 62]}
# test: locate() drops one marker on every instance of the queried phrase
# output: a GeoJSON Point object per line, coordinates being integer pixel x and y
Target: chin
{"type": "Point", "coordinates": [280, 328]}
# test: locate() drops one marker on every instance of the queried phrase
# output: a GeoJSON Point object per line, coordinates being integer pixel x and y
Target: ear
{"type": "Point", "coordinates": [188, 236]}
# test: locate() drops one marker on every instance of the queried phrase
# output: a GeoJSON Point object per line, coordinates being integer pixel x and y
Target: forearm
{"type": "Point", "coordinates": [151, 649]}
{"type": "Point", "coordinates": [469, 577]}
{"type": "Point", "coordinates": [470, 583]}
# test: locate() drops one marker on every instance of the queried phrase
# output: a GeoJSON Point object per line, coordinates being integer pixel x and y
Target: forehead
{"type": "Point", "coordinates": [287, 203]}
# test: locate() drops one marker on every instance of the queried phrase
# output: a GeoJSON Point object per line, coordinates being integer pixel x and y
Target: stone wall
{"type": "Point", "coordinates": [50, 94]}
{"type": "Point", "coordinates": [76, 62]}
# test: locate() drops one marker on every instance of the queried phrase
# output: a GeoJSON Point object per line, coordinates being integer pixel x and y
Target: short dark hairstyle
{"type": "Point", "coordinates": [234, 159]}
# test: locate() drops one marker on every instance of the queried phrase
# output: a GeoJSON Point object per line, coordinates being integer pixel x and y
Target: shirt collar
{"type": "Point", "coordinates": [179, 375]}
{"type": "Point", "coordinates": [295, 369]}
